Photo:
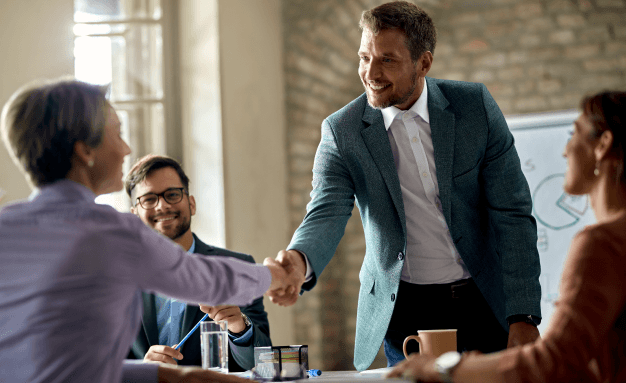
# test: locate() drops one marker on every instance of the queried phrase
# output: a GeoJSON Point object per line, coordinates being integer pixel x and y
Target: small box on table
{"type": "Point", "coordinates": [282, 362]}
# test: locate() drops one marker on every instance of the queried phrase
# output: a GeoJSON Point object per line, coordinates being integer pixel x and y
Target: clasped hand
{"type": "Point", "coordinates": [288, 274]}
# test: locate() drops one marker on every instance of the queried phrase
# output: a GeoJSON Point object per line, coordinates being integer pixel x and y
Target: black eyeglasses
{"type": "Point", "coordinates": [171, 196]}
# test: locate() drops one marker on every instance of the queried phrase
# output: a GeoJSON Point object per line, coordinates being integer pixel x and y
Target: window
{"type": "Point", "coordinates": [120, 42]}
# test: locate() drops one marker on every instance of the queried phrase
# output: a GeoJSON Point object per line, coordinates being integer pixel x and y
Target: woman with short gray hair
{"type": "Point", "coordinates": [72, 270]}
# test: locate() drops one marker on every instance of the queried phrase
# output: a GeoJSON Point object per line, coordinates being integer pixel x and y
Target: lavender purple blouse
{"type": "Point", "coordinates": [71, 272]}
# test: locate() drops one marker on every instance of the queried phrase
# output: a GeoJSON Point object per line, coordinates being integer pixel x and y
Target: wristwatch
{"type": "Point", "coordinates": [445, 364]}
{"type": "Point", "coordinates": [530, 319]}
{"type": "Point", "coordinates": [248, 324]}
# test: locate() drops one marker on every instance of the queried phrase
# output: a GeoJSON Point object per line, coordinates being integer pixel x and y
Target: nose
{"type": "Point", "coordinates": [162, 204]}
{"type": "Point", "coordinates": [372, 70]}
{"type": "Point", "coordinates": [127, 150]}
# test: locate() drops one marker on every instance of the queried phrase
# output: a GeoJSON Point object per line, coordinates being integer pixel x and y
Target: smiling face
{"type": "Point", "coordinates": [109, 156]}
{"type": "Point", "coordinates": [387, 72]}
{"type": "Point", "coordinates": [171, 220]}
{"type": "Point", "coordinates": [581, 161]}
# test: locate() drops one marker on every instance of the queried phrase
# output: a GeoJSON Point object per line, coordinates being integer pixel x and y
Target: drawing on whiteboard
{"type": "Point", "coordinates": [554, 208]}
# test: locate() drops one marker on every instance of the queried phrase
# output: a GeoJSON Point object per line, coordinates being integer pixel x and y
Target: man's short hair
{"type": "Point", "coordinates": [43, 120]}
{"type": "Point", "coordinates": [148, 164]}
{"type": "Point", "coordinates": [418, 27]}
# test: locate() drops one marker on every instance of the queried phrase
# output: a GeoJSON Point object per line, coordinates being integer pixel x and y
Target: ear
{"type": "Point", "coordinates": [192, 205]}
{"type": "Point", "coordinates": [133, 210]}
{"type": "Point", "coordinates": [83, 153]}
{"type": "Point", "coordinates": [605, 143]}
{"type": "Point", "coordinates": [424, 63]}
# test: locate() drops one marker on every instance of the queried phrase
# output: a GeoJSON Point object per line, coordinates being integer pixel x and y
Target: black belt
{"type": "Point", "coordinates": [453, 290]}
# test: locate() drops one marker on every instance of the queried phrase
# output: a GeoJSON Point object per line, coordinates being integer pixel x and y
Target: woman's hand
{"type": "Point", "coordinates": [417, 367]}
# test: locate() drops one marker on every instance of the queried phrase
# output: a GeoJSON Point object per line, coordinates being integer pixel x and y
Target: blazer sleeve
{"type": "Point", "coordinates": [243, 354]}
{"type": "Point", "coordinates": [509, 206]}
{"type": "Point", "coordinates": [331, 205]}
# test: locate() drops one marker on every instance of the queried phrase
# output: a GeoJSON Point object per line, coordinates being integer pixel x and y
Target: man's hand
{"type": "Point", "coordinates": [232, 314]}
{"type": "Point", "coordinates": [172, 374]}
{"type": "Point", "coordinates": [288, 274]}
{"type": "Point", "coordinates": [163, 354]}
{"type": "Point", "coordinates": [521, 333]}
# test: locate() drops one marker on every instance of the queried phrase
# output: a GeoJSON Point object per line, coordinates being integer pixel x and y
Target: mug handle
{"type": "Point", "coordinates": [407, 339]}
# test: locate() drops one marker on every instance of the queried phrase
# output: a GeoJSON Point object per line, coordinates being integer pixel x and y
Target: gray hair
{"type": "Point", "coordinates": [42, 121]}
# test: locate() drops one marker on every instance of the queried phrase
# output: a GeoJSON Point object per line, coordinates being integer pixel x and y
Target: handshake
{"type": "Point", "coordinates": [288, 274]}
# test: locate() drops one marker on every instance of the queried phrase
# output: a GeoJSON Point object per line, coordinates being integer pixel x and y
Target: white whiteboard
{"type": "Point", "coordinates": [540, 140]}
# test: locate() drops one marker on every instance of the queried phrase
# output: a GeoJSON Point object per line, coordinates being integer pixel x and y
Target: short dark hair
{"type": "Point", "coordinates": [43, 120]}
{"type": "Point", "coordinates": [418, 27]}
{"type": "Point", "coordinates": [146, 165]}
{"type": "Point", "coordinates": [607, 111]}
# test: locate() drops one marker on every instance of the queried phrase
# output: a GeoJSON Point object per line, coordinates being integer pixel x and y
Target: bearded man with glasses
{"type": "Point", "coordinates": [159, 192]}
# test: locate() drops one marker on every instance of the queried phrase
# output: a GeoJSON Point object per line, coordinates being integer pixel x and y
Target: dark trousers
{"type": "Point", "coordinates": [458, 305]}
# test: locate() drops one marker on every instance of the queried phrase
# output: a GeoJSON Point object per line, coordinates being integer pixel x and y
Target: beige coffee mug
{"type": "Point", "coordinates": [435, 342]}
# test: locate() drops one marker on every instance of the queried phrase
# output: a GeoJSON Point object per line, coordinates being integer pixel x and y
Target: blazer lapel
{"type": "Point", "coordinates": [377, 142]}
{"type": "Point", "coordinates": [190, 320]}
{"type": "Point", "coordinates": [442, 130]}
{"type": "Point", "coordinates": [149, 319]}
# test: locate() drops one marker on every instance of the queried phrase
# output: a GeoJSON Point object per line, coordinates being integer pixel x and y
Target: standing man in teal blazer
{"type": "Point", "coordinates": [446, 210]}
{"type": "Point", "coordinates": [159, 192]}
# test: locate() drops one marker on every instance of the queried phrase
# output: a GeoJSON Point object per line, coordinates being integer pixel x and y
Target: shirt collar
{"type": "Point", "coordinates": [192, 249]}
{"type": "Point", "coordinates": [420, 107]}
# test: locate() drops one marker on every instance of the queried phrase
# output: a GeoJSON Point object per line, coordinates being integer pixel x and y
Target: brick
{"type": "Point", "coordinates": [506, 105]}
{"type": "Point", "coordinates": [539, 24]}
{"type": "Point", "coordinates": [528, 10]}
{"type": "Point", "coordinates": [548, 86]}
{"type": "Point", "coordinates": [530, 40]}
{"type": "Point", "coordinates": [559, 5]}
{"type": "Point", "coordinates": [491, 60]}
{"type": "Point", "coordinates": [511, 73]}
{"type": "Point", "coordinates": [585, 5]}
{"type": "Point", "coordinates": [466, 18]}
{"type": "Point", "coordinates": [571, 21]}
{"type": "Point", "coordinates": [601, 65]}
{"type": "Point", "coordinates": [595, 34]}
{"type": "Point", "coordinates": [600, 82]}
{"type": "Point", "coordinates": [444, 50]}
{"type": "Point", "coordinates": [482, 76]}
{"type": "Point", "coordinates": [542, 54]}
{"type": "Point", "coordinates": [518, 57]}
{"type": "Point", "coordinates": [610, 3]}
{"type": "Point", "coordinates": [458, 62]}
{"type": "Point", "coordinates": [474, 46]}
{"type": "Point", "coordinates": [563, 37]}
{"type": "Point", "coordinates": [598, 18]}
{"type": "Point", "coordinates": [530, 104]}
{"type": "Point", "coordinates": [565, 100]}
{"type": "Point", "coordinates": [524, 87]}
{"type": "Point", "coordinates": [499, 14]}
{"type": "Point", "coordinates": [563, 70]}
{"type": "Point", "coordinates": [614, 47]}
{"type": "Point", "coordinates": [582, 51]}
{"type": "Point", "coordinates": [620, 31]}
{"type": "Point", "coordinates": [457, 76]}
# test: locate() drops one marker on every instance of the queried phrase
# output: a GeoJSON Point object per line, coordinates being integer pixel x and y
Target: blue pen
{"type": "Point", "coordinates": [314, 372]}
{"type": "Point", "coordinates": [190, 332]}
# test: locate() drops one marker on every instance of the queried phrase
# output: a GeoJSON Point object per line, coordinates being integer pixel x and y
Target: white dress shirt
{"type": "Point", "coordinates": [431, 257]}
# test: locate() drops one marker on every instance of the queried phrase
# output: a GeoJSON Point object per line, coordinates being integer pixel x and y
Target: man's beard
{"type": "Point", "coordinates": [397, 99]}
{"type": "Point", "coordinates": [180, 230]}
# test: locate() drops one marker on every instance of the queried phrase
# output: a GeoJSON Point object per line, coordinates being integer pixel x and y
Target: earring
{"type": "Point", "coordinates": [596, 171]}
{"type": "Point", "coordinates": [90, 163]}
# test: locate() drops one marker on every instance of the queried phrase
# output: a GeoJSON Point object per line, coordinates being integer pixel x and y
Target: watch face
{"type": "Point", "coordinates": [449, 360]}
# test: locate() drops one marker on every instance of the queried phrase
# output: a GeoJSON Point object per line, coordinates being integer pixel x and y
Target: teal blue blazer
{"type": "Point", "coordinates": [484, 194]}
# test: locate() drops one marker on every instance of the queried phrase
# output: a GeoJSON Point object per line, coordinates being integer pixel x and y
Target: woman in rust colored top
{"type": "Point", "coordinates": [586, 337]}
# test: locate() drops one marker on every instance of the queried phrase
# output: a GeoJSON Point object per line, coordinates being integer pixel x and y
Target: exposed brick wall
{"type": "Point", "coordinates": [532, 55]}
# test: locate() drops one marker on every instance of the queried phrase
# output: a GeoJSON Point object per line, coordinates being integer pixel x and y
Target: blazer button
{"type": "Point", "coordinates": [393, 297]}
{"type": "Point", "coordinates": [400, 256]}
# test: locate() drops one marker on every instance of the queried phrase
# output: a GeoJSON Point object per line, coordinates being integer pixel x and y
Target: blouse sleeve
{"type": "Point", "coordinates": [590, 300]}
{"type": "Point", "coordinates": [157, 264]}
